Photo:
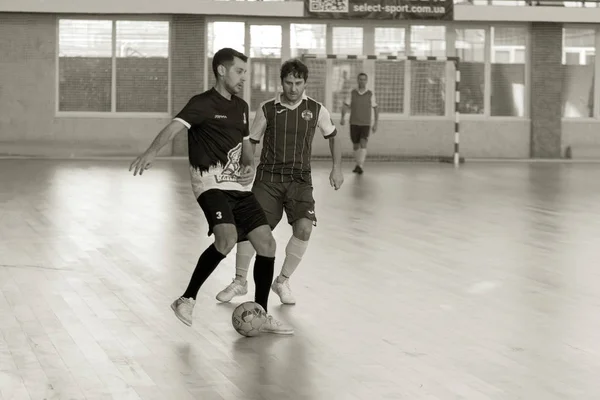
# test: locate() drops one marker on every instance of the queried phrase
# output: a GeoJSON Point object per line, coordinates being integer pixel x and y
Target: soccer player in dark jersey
{"type": "Point", "coordinates": [221, 170]}
{"type": "Point", "coordinates": [288, 123]}
{"type": "Point", "coordinates": [360, 102]}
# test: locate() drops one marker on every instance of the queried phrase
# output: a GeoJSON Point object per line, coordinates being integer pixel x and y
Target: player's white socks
{"type": "Point", "coordinates": [362, 156]}
{"type": "Point", "coordinates": [243, 257]}
{"type": "Point", "coordinates": [357, 156]}
{"type": "Point", "coordinates": [294, 252]}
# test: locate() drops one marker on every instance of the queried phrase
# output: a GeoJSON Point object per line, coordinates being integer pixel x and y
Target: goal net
{"type": "Point", "coordinates": [417, 99]}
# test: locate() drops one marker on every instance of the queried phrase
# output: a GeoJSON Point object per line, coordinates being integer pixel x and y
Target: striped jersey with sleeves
{"type": "Point", "coordinates": [287, 133]}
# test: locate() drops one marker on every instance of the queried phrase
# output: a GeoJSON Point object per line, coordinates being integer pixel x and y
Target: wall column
{"type": "Point", "coordinates": [188, 58]}
{"type": "Point", "coordinates": [546, 89]}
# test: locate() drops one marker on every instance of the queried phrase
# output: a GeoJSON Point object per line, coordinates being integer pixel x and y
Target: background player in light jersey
{"type": "Point", "coordinates": [217, 123]}
{"type": "Point", "coordinates": [360, 102]}
{"type": "Point", "coordinates": [287, 124]}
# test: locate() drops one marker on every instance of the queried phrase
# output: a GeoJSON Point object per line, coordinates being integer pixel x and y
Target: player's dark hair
{"type": "Point", "coordinates": [226, 57]}
{"type": "Point", "coordinates": [363, 74]}
{"type": "Point", "coordinates": [295, 67]}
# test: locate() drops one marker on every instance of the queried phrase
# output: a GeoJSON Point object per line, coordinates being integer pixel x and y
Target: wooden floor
{"type": "Point", "coordinates": [421, 282]}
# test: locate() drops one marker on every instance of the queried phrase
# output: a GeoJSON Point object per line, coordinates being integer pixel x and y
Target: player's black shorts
{"type": "Point", "coordinates": [232, 207]}
{"type": "Point", "coordinates": [296, 198]}
{"type": "Point", "coordinates": [359, 132]}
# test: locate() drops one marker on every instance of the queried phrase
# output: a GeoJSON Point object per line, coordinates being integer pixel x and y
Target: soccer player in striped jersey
{"type": "Point", "coordinates": [287, 125]}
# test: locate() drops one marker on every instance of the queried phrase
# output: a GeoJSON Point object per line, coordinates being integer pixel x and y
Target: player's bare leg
{"type": "Point", "coordinates": [294, 252]}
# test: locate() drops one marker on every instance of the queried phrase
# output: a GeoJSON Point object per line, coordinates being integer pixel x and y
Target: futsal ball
{"type": "Point", "coordinates": [248, 317]}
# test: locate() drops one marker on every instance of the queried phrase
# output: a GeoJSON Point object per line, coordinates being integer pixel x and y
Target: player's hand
{"type": "Point", "coordinates": [247, 175]}
{"type": "Point", "coordinates": [336, 178]}
{"type": "Point", "coordinates": [374, 129]}
{"type": "Point", "coordinates": [342, 122]}
{"type": "Point", "coordinates": [142, 163]}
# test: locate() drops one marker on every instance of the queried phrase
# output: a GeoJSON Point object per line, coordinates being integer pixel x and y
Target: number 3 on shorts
{"type": "Point", "coordinates": [219, 215]}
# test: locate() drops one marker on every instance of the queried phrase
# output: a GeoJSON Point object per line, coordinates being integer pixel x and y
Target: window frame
{"type": "Point", "coordinates": [113, 113]}
{"type": "Point", "coordinates": [527, 78]}
{"type": "Point", "coordinates": [596, 89]}
{"type": "Point", "coordinates": [487, 66]}
{"type": "Point", "coordinates": [369, 48]}
{"type": "Point", "coordinates": [208, 66]}
{"type": "Point", "coordinates": [289, 29]}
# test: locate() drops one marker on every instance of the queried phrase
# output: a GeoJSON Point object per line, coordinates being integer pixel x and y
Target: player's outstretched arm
{"type": "Point", "coordinates": [144, 161]}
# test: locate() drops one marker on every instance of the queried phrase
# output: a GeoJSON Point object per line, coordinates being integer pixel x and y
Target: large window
{"type": "Point", "coordinates": [508, 71]}
{"type": "Point", "coordinates": [389, 75]}
{"type": "Point", "coordinates": [113, 66]}
{"type": "Point", "coordinates": [470, 48]}
{"type": "Point", "coordinates": [346, 41]}
{"type": "Point", "coordinates": [305, 39]}
{"type": "Point", "coordinates": [85, 65]}
{"type": "Point", "coordinates": [578, 58]}
{"type": "Point", "coordinates": [223, 34]}
{"type": "Point", "coordinates": [265, 52]}
{"type": "Point", "coordinates": [428, 78]}
{"type": "Point", "coordinates": [492, 65]}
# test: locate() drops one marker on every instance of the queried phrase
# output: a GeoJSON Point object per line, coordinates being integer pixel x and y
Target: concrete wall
{"type": "Point", "coordinates": [291, 8]}
{"type": "Point", "coordinates": [497, 138]}
{"type": "Point", "coordinates": [582, 138]}
{"type": "Point", "coordinates": [28, 121]}
{"type": "Point", "coordinates": [29, 125]}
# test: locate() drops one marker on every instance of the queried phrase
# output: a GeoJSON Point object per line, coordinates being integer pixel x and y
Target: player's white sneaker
{"type": "Point", "coordinates": [283, 291]}
{"type": "Point", "coordinates": [275, 326]}
{"type": "Point", "coordinates": [183, 308]}
{"type": "Point", "coordinates": [234, 289]}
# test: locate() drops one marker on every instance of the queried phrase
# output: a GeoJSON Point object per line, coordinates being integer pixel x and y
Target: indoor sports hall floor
{"type": "Point", "coordinates": [422, 281]}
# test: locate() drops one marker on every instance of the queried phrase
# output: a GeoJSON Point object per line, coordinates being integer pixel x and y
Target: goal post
{"type": "Point", "coordinates": [415, 87]}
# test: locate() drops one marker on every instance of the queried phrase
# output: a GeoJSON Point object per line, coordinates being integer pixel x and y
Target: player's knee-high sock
{"type": "Point", "coordinates": [243, 256]}
{"type": "Point", "coordinates": [362, 156]}
{"type": "Point", "coordinates": [357, 156]}
{"type": "Point", "coordinates": [263, 277]}
{"type": "Point", "coordinates": [207, 263]}
{"type": "Point", "coordinates": [294, 252]}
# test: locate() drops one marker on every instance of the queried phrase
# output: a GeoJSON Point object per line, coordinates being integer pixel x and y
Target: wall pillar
{"type": "Point", "coordinates": [188, 57]}
{"type": "Point", "coordinates": [546, 89]}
